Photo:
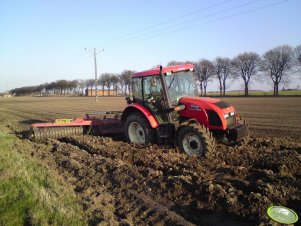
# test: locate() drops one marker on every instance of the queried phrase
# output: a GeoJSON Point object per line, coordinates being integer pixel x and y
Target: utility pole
{"type": "Point", "coordinates": [95, 52]}
{"type": "Point", "coordinates": [95, 65]}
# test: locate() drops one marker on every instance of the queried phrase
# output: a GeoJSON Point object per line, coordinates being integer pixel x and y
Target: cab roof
{"type": "Point", "coordinates": [156, 71]}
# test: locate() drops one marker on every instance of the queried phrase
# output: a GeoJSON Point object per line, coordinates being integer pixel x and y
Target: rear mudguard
{"type": "Point", "coordinates": [131, 108]}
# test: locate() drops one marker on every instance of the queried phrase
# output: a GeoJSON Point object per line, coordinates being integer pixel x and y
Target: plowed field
{"type": "Point", "coordinates": [127, 184]}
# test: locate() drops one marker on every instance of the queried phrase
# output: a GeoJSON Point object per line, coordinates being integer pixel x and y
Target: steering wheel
{"type": "Point", "coordinates": [156, 99]}
{"type": "Point", "coordinates": [150, 99]}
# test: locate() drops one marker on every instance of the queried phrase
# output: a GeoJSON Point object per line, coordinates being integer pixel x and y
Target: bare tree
{"type": "Point", "coordinates": [297, 51]}
{"type": "Point", "coordinates": [90, 83]}
{"type": "Point", "coordinates": [222, 68]}
{"type": "Point", "coordinates": [105, 81]}
{"type": "Point", "coordinates": [174, 62]}
{"type": "Point", "coordinates": [277, 63]}
{"type": "Point", "coordinates": [50, 88]}
{"type": "Point", "coordinates": [218, 69]}
{"type": "Point", "coordinates": [107, 77]}
{"type": "Point", "coordinates": [121, 84]}
{"type": "Point", "coordinates": [81, 86]}
{"type": "Point", "coordinates": [246, 65]}
{"type": "Point", "coordinates": [198, 75]}
{"type": "Point", "coordinates": [126, 80]}
{"type": "Point", "coordinates": [114, 81]}
{"type": "Point", "coordinates": [72, 86]}
{"type": "Point", "coordinates": [102, 83]}
{"type": "Point", "coordinates": [206, 72]}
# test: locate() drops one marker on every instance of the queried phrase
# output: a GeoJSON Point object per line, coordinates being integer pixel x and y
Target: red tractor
{"type": "Point", "coordinates": [164, 108]}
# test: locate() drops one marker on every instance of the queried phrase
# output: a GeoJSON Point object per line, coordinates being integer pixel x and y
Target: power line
{"type": "Point", "coordinates": [166, 21]}
{"type": "Point", "coordinates": [122, 37]}
{"type": "Point", "coordinates": [162, 31]}
{"type": "Point", "coordinates": [197, 25]}
{"type": "Point", "coordinates": [190, 20]}
{"type": "Point", "coordinates": [66, 59]}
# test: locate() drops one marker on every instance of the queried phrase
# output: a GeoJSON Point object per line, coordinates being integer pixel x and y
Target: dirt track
{"type": "Point", "coordinates": [120, 183]}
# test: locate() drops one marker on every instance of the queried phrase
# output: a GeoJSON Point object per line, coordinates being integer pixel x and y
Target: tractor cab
{"type": "Point", "coordinates": [160, 89]}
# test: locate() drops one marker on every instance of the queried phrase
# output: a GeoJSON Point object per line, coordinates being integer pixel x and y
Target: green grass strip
{"type": "Point", "coordinates": [30, 194]}
{"type": "Point", "coordinates": [258, 93]}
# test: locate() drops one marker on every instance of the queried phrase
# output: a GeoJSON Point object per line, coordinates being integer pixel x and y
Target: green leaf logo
{"type": "Point", "coordinates": [282, 214]}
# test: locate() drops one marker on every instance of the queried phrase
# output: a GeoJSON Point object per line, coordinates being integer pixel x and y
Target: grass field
{"type": "Point", "coordinates": [31, 194]}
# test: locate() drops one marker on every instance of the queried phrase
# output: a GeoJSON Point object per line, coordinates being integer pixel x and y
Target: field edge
{"type": "Point", "coordinates": [30, 192]}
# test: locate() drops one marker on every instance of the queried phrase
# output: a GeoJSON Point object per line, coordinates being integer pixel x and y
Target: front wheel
{"type": "Point", "coordinates": [138, 129]}
{"type": "Point", "coordinates": [195, 139]}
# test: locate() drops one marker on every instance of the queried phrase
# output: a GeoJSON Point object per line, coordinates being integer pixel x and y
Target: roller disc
{"type": "Point", "coordinates": [40, 134]}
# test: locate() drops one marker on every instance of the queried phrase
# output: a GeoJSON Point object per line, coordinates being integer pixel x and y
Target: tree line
{"type": "Point", "coordinates": [120, 83]}
{"type": "Point", "coordinates": [276, 64]}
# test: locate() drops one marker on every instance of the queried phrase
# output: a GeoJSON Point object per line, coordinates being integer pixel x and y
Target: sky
{"type": "Point", "coordinates": [47, 40]}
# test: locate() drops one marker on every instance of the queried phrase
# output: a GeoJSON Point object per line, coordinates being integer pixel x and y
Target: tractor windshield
{"type": "Point", "coordinates": [180, 84]}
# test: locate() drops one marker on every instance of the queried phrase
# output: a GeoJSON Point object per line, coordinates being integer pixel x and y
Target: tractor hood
{"type": "Point", "coordinates": [206, 103]}
{"type": "Point", "coordinates": [205, 108]}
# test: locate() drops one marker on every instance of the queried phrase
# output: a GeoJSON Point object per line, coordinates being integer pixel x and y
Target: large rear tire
{"type": "Point", "coordinates": [195, 139]}
{"type": "Point", "coordinates": [138, 129]}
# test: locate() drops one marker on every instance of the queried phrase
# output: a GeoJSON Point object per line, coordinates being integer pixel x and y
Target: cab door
{"type": "Point", "coordinates": [153, 98]}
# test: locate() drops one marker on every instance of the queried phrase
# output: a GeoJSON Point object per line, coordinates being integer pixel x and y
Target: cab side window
{"type": "Point", "coordinates": [152, 87]}
{"type": "Point", "coordinates": [137, 88]}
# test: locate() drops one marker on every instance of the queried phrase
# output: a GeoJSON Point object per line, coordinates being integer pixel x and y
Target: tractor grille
{"type": "Point", "coordinates": [230, 121]}
{"type": "Point", "coordinates": [214, 119]}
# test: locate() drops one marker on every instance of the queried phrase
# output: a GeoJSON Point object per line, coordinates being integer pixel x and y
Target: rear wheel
{"type": "Point", "coordinates": [195, 139]}
{"type": "Point", "coordinates": [138, 129]}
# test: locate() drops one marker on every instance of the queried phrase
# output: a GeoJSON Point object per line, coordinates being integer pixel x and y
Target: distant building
{"type": "Point", "coordinates": [106, 92]}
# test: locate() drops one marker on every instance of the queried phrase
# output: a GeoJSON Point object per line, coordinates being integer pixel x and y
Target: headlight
{"type": "Point", "coordinates": [228, 114]}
